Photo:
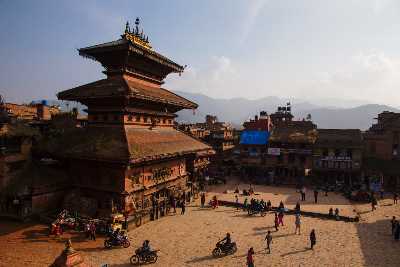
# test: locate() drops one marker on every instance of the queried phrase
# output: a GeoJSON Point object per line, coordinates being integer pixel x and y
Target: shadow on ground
{"type": "Point", "coordinates": [8, 227]}
{"type": "Point", "coordinates": [201, 259]}
{"type": "Point", "coordinates": [377, 244]}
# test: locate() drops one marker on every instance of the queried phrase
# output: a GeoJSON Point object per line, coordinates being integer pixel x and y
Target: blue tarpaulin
{"type": "Point", "coordinates": [254, 138]}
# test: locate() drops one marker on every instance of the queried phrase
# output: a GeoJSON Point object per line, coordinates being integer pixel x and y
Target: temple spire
{"type": "Point", "coordinates": [136, 35]}
{"type": "Point", "coordinates": [137, 22]}
{"type": "Point", "coordinates": [127, 29]}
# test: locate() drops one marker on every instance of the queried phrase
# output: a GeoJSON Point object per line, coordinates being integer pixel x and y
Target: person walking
{"type": "Point", "coordinates": [93, 231]}
{"type": "Point", "coordinates": [280, 217]}
{"type": "Point", "coordinates": [297, 208]}
{"type": "Point", "coordinates": [315, 195]}
{"type": "Point", "coordinates": [276, 220]}
{"type": "Point", "coordinates": [237, 202]}
{"type": "Point", "coordinates": [173, 203]}
{"type": "Point", "coordinates": [268, 237]}
{"type": "Point", "coordinates": [373, 203]}
{"type": "Point", "coordinates": [395, 197]}
{"type": "Point", "coordinates": [87, 229]}
{"type": "Point", "coordinates": [297, 223]}
{"type": "Point", "coordinates": [313, 238]}
{"type": "Point", "coordinates": [250, 260]}
{"type": "Point", "coordinates": [183, 207]}
{"type": "Point", "coordinates": [393, 222]}
{"type": "Point", "coordinates": [203, 199]}
{"type": "Point", "coordinates": [245, 204]}
{"type": "Point", "coordinates": [303, 193]}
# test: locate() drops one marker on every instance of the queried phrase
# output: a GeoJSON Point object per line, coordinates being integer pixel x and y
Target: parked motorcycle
{"type": "Point", "coordinates": [224, 249]}
{"type": "Point", "coordinates": [117, 242]}
{"type": "Point", "coordinates": [141, 257]}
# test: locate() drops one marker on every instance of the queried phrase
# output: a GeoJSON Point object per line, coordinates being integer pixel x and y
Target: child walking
{"type": "Point", "coordinates": [276, 222]}
{"type": "Point", "coordinates": [298, 223]}
{"type": "Point", "coordinates": [313, 238]}
{"type": "Point", "coordinates": [268, 237]}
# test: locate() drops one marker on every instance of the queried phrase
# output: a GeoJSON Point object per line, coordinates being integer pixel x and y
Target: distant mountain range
{"type": "Point", "coordinates": [237, 110]}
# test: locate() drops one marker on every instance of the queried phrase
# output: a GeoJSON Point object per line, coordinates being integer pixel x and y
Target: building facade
{"type": "Point", "coordinates": [290, 147]}
{"type": "Point", "coordinates": [338, 156]}
{"type": "Point", "coordinates": [382, 151]}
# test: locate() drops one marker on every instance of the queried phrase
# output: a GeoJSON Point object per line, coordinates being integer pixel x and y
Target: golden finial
{"type": "Point", "coordinates": [135, 36]}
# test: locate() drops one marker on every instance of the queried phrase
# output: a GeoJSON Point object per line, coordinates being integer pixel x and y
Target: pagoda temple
{"type": "Point", "coordinates": [130, 153]}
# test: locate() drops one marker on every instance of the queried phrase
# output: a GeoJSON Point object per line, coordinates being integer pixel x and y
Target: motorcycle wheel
{"type": "Point", "coordinates": [233, 249]}
{"type": "Point", "coordinates": [216, 252]}
{"type": "Point", "coordinates": [135, 260]}
{"type": "Point", "coordinates": [107, 244]}
{"type": "Point", "coordinates": [126, 244]}
{"type": "Point", "coordinates": [152, 258]}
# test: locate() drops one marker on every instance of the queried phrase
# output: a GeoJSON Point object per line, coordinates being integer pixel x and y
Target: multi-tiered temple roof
{"type": "Point", "coordinates": [130, 117]}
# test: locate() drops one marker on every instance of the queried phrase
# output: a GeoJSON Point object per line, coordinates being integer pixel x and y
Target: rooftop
{"type": "Point", "coordinates": [124, 86]}
{"type": "Point", "coordinates": [122, 144]}
{"type": "Point", "coordinates": [339, 137]}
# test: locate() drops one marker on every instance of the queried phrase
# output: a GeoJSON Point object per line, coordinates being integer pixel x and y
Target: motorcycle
{"type": "Point", "coordinates": [117, 242]}
{"type": "Point", "coordinates": [224, 249]}
{"type": "Point", "coordinates": [257, 209]}
{"type": "Point", "coordinates": [143, 257]}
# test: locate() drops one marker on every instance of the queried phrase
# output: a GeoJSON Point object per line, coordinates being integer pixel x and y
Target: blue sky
{"type": "Point", "coordinates": [233, 48]}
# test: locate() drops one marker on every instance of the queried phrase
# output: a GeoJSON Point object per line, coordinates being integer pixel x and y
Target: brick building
{"type": "Point", "coordinates": [31, 112]}
{"type": "Point", "coordinates": [338, 156]}
{"type": "Point", "coordinates": [290, 147]}
{"type": "Point", "coordinates": [220, 136]}
{"type": "Point", "coordinates": [251, 155]}
{"type": "Point", "coordinates": [129, 155]}
{"type": "Point", "coordinates": [382, 150]}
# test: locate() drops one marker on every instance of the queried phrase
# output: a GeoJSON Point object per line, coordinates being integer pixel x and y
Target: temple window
{"type": "Point", "coordinates": [170, 121]}
{"type": "Point", "coordinates": [130, 118]}
{"type": "Point", "coordinates": [164, 121]}
{"type": "Point", "coordinates": [145, 119]}
{"type": "Point", "coordinates": [137, 118]}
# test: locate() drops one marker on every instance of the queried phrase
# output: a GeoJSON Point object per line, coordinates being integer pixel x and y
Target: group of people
{"type": "Point", "coordinates": [316, 194]}
{"type": "Point", "coordinates": [90, 230]}
{"type": "Point", "coordinates": [336, 214]}
{"type": "Point", "coordinates": [268, 239]}
{"type": "Point", "coordinates": [256, 204]}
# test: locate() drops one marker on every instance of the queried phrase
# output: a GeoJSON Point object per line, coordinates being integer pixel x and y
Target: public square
{"type": "Point", "coordinates": [187, 240]}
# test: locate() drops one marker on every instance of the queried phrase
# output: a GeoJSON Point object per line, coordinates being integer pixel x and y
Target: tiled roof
{"type": "Point", "coordinates": [122, 144]}
{"type": "Point", "coordinates": [160, 143]}
{"type": "Point", "coordinates": [91, 52]}
{"type": "Point", "coordinates": [121, 86]}
{"type": "Point", "coordinates": [294, 132]}
{"type": "Point", "coordinates": [337, 137]}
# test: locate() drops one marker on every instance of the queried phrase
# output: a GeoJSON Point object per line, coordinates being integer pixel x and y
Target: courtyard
{"type": "Point", "coordinates": [187, 240]}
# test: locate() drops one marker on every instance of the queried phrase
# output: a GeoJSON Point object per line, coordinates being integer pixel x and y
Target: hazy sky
{"type": "Point", "coordinates": [346, 49]}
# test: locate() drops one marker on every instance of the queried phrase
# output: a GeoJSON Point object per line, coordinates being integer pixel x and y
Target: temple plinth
{"type": "Point", "coordinates": [69, 257]}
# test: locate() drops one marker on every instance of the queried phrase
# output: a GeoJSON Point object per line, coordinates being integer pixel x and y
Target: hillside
{"type": "Point", "coordinates": [237, 110]}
